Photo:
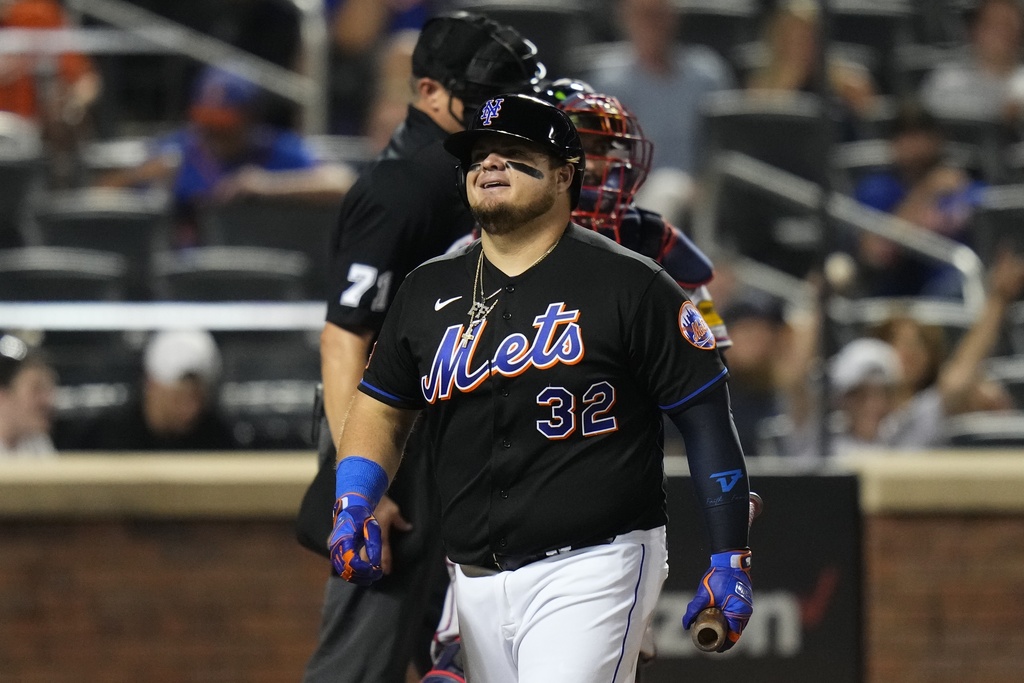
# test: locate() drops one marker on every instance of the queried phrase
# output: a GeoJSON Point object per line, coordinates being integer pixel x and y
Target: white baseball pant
{"type": "Point", "coordinates": [575, 617]}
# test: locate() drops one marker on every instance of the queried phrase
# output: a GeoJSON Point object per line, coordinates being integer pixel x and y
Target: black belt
{"type": "Point", "coordinates": [510, 563]}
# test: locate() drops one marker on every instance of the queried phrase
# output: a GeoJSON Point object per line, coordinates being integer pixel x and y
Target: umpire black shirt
{"type": "Point", "coordinates": [404, 209]}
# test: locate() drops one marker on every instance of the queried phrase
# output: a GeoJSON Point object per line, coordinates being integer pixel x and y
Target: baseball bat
{"type": "Point", "coordinates": [709, 629]}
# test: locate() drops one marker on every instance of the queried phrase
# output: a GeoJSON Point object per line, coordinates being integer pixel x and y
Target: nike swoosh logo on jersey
{"type": "Point", "coordinates": [438, 305]}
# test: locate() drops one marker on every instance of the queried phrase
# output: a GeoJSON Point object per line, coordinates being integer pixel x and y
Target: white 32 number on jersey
{"type": "Point", "coordinates": [598, 400]}
{"type": "Point", "coordinates": [363, 277]}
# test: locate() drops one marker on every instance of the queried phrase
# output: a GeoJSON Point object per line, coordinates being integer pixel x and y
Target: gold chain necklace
{"type": "Point", "coordinates": [480, 309]}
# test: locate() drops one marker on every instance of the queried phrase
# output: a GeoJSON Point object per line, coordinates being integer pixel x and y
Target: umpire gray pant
{"type": "Point", "coordinates": [370, 634]}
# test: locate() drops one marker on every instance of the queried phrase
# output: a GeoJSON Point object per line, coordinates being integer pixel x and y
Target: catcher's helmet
{"type": "Point", "coordinates": [618, 158]}
{"type": "Point", "coordinates": [525, 118]}
{"type": "Point", "coordinates": [560, 89]}
{"type": "Point", "coordinates": [475, 58]}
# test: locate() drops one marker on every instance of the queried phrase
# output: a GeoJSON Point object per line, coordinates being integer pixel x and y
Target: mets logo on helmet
{"type": "Point", "coordinates": [490, 110]}
{"type": "Point", "coordinates": [694, 329]}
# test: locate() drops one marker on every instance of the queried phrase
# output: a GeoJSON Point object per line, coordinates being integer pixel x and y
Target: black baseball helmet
{"type": "Point", "coordinates": [475, 58]}
{"type": "Point", "coordinates": [522, 117]}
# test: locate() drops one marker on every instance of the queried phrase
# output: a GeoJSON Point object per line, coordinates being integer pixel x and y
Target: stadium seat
{"type": "Point", "coordinates": [21, 174]}
{"type": "Point", "coordinates": [115, 154]}
{"type": "Point", "coordinates": [268, 386]}
{"type": "Point", "coordinates": [1009, 371]}
{"type": "Point", "coordinates": [270, 415]}
{"type": "Point", "coordinates": [1015, 162]}
{"type": "Point", "coordinates": [128, 222]}
{"type": "Point", "coordinates": [556, 27]}
{"type": "Point", "coordinates": [231, 274]}
{"type": "Point", "coordinates": [61, 274]}
{"type": "Point", "coordinates": [998, 221]}
{"type": "Point", "coordinates": [939, 21]}
{"type": "Point", "coordinates": [96, 371]}
{"type": "Point", "coordinates": [855, 317]}
{"type": "Point", "coordinates": [987, 137]}
{"type": "Point", "coordinates": [784, 130]}
{"type": "Point", "coordinates": [879, 26]}
{"type": "Point", "coordinates": [354, 150]}
{"type": "Point", "coordinates": [985, 430]}
{"type": "Point", "coordinates": [1015, 323]}
{"type": "Point", "coordinates": [269, 355]}
{"type": "Point", "coordinates": [788, 133]}
{"type": "Point", "coordinates": [761, 226]}
{"type": "Point", "coordinates": [302, 227]}
{"type": "Point", "coordinates": [719, 24]}
{"type": "Point", "coordinates": [912, 62]}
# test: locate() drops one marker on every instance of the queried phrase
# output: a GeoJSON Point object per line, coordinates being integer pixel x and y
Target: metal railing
{"type": "Point", "coordinates": [805, 195]}
{"type": "Point", "coordinates": [137, 30]}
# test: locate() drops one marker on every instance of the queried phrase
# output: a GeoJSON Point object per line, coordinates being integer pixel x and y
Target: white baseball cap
{"type": "Point", "coordinates": [174, 355]}
{"type": "Point", "coordinates": [862, 361]}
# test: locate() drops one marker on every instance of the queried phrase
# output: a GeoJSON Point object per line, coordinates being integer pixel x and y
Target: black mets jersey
{"type": "Point", "coordinates": [547, 425]}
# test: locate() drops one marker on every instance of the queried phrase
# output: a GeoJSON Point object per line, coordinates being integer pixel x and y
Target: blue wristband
{"type": "Point", "coordinates": [362, 477]}
{"type": "Point", "coordinates": [734, 559]}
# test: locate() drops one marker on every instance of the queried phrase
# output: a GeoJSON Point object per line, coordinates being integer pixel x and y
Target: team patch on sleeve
{"type": "Point", "coordinates": [694, 329]}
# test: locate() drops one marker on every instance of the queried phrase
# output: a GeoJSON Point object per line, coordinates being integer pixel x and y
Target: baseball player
{"type": "Point", "coordinates": [618, 161]}
{"type": "Point", "coordinates": [403, 210]}
{"type": "Point", "coordinates": [540, 360]}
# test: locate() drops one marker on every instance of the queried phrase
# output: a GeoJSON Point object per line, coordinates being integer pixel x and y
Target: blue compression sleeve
{"type": "Point", "coordinates": [362, 477]}
{"type": "Point", "coordinates": [717, 468]}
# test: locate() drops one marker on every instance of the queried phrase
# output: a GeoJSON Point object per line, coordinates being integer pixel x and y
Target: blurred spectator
{"type": "Point", "coordinates": [56, 91]}
{"type": "Point", "coordinates": [225, 154]}
{"type": "Point", "coordinates": [176, 409]}
{"type": "Point", "coordinates": [393, 93]}
{"type": "Point", "coordinates": [760, 337]}
{"type": "Point", "coordinates": [989, 84]}
{"type": "Point", "coordinates": [897, 392]}
{"type": "Point", "coordinates": [864, 375]}
{"type": "Point", "coordinates": [664, 84]}
{"type": "Point", "coordinates": [359, 31]}
{"type": "Point", "coordinates": [924, 188]}
{"type": "Point", "coordinates": [26, 401]}
{"type": "Point", "coordinates": [791, 39]}
{"type": "Point", "coordinates": [957, 383]}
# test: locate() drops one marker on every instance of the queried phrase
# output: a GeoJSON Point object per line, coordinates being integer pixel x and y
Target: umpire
{"type": "Point", "coordinates": [404, 209]}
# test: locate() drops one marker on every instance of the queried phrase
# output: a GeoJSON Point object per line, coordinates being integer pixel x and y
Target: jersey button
{"type": "Point", "coordinates": [510, 288]}
{"type": "Point", "coordinates": [502, 542]}
{"type": "Point", "coordinates": [504, 393]}
{"type": "Point", "coordinates": [503, 493]}
{"type": "Point", "coordinates": [506, 443]}
{"type": "Point", "coordinates": [506, 315]}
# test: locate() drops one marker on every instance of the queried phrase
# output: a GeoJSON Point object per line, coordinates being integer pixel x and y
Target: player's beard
{"type": "Point", "coordinates": [502, 218]}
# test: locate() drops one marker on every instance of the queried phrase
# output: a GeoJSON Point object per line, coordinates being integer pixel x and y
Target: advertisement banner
{"type": "Point", "coordinates": [806, 576]}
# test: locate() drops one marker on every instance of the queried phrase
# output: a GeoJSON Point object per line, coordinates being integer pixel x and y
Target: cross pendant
{"type": "Point", "coordinates": [466, 337]}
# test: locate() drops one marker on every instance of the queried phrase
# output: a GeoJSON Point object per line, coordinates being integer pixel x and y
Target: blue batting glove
{"type": "Point", "coordinates": [726, 585]}
{"type": "Point", "coordinates": [355, 529]}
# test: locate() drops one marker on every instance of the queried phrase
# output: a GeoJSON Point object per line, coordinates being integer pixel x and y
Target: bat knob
{"type": "Point", "coordinates": [709, 630]}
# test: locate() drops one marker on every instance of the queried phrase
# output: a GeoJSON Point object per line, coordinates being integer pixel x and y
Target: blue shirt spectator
{"type": "Point", "coordinates": [226, 153]}
{"type": "Point", "coordinates": [201, 171]}
{"type": "Point", "coordinates": [922, 188]}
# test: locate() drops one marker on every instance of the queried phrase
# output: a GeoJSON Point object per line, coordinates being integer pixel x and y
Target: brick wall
{"type": "Point", "coordinates": [215, 601]}
{"type": "Point", "coordinates": [224, 601]}
{"type": "Point", "coordinates": [944, 597]}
